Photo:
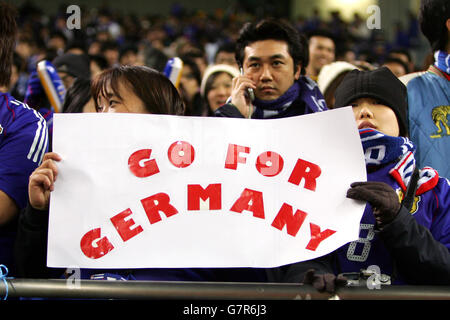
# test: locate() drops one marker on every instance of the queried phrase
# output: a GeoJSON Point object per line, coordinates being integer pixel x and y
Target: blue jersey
{"type": "Point", "coordinates": [429, 109]}
{"type": "Point", "coordinates": [430, 209]}
{"type": "Point", "coordinates": [23, 142]}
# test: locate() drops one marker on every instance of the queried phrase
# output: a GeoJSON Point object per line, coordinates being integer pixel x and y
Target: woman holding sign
{"type": "Point", "coordinates": [126, 89]}
{"type": "Point", "coordinates": [405, 228]}
{"type": "Point", "coordinates": [123, 90]}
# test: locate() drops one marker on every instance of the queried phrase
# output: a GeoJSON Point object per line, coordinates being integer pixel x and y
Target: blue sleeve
{"type": "Point", "coordinates": [23, 142]}
{"type": "Point", "coordinates": [441, 219]}
{"type": "Point", "coordinates": [422, 255]}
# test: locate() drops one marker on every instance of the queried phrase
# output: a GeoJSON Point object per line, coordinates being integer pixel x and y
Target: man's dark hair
{"type": "Point", "coordinates": [432, 17]}
{"type": "Point", "coordinates": [99, 60]}
{"type": "Point", "coordinates": [59, 34]}
{"type": "Point", "coordinates": [321, 33]}
{"type": "Point", "coordinates": [271, 29]}
{"type": "Point", "coordinates": [229, 47]}
{"type": "Point", "coordinates": [127, 49]}
{"type": "Point", "coordinates": [398, 61]}
{"type": "Point", "coordinates": [109, 45]}
{"type": "Point", "coordinates": [77, 44]}
{"type": "Point", "coordinates": [8, 31]}
{"type": "Point", "coordinates": [189, 61]}
{"type": "Point", "coordinates": [401, 50]}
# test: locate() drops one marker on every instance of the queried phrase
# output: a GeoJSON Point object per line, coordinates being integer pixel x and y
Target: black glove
{"type": "Point", "coordinates": [383, 199]}
{"type": "Point", "coordinates": [327, 282]}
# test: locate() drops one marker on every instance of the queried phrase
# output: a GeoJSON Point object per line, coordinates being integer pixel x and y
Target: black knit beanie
{"type": "Point", "coordinates": [380, 84]}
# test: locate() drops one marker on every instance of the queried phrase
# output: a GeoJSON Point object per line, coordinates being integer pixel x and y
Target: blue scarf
{"type": "Point", "coordinates": [380, 149]}
{"type": "Point", "coordinates": [442, 61]}
{"type": "Point", "coordinates": [304, 89]}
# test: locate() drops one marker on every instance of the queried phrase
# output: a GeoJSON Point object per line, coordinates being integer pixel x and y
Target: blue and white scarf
{"type": "Point", "coordinates": [442, 61]}
{"type": "Point", "coordinates": [303, 89]}
{"type": "Point", "coordinates": [380, 149]}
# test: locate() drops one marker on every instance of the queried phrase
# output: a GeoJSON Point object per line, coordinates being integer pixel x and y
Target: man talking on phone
{"type": "Point", "coordinates": [272, 56]}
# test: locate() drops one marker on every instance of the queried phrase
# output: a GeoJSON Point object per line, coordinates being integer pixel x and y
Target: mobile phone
{"type": "Point", "coordinates": [250, 92]}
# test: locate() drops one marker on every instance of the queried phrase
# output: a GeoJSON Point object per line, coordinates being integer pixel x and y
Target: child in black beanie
{"type": "Point", "coordinates": [405, 228]}
{"type": "Point", "coordinates": [379, 86]}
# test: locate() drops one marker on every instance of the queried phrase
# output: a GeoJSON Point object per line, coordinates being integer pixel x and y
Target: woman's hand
{"type": "Point", "coordinates": [42, 181]}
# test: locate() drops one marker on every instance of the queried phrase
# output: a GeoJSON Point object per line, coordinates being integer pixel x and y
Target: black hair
{"type": "Point", "coordinates": [188, 61]}
{"type": "Point", "coordinates": [19, 62]}
{"type": "Point", "coordinates": [109, 45]}
{"type": "Point", "coordinates": [155, 90]}
{"type": "Point", "coordinates": [76, 44]}
{"type": "Point", "coordinates": [229, 47]}
{"type": "Point", "coordinates": [99, 60]}
{"type": "Point", "coordinates": [432, 17]}
{"type": "Point", "coordinates": [8, 34]}
{"type": "Point", "coordinates": [321, 33]}
{"type": "Point", "coordinates": [401, 50]}
{"type": "Point", "coordinates": [398, 61]}
{"type": "Point", "coordinates": [271, 29]}
{"type": "Point", "coordinates": [126, 49]}
{"type": "Point", "coordinates": [77, 96]}
{"type": "Point", "coordinates": [58, 34]}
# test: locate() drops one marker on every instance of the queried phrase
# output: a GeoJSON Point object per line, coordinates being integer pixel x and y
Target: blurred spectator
{"type": "Point", "coordinates": [76, 47]}
{"type": "Point", "coordinates": [330, 76]}
{"type": "Point", "coordinates": [397, 66]}
{"type": "Point", "coordinates": [107, 24]}
{"type": "Point", "coordinates": [358, 29]}
{"type": "Point", "coordinates": [27, 50]}
{"type": "Point", "coordinates": [321, 52]}
{"type": "Point", "coordinates": [72, 66]}
{"type": "Point", "coordinates": [189, 87]}
{"type": "Point", "coordinates": [110, 50]}
{"type": "Point", "coordinates": [95, 47]}
{"type": "Point", "coordinates": [97, 63]}
{"type": "Point", "coordinates": [57, 42]}
{"type": "Point", "coordinates": [225, 54]}
{"type": "Point", "coordinates": [128, 55]}
{"type": "Point", "coordinates": [216, 86]}
{"type": "Point", "coordinates": [78, 97]}
{"type": "Point", "coordinates": [199, 57]}
{"type": "Point", "coordinates": [19, 78]}
{"type": "Point", "coordinates": [404, 55]}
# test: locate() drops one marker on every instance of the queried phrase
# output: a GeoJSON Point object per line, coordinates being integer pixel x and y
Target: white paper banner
{"type": "Point", "coordinates": [141, 191]}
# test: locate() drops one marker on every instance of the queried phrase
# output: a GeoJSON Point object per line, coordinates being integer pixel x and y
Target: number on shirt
{"type": "Point", "coordinates": [362, 241]}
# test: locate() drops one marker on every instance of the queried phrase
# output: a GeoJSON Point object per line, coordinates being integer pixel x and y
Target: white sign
{"type": "Point", "coordinates": [142, 191]}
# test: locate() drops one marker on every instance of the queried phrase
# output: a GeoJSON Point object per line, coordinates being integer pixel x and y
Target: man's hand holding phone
{"type": "Point", "coordinates": [242, 94]}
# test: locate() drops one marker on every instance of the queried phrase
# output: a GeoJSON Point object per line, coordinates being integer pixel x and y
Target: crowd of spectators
{"type": "Point", "coordinates": [320, 67]}
{"type": "Point", "coordinates": [111, 38]}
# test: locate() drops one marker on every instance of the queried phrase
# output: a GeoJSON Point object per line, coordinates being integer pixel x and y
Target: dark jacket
{"type": "Point", "coordinates": [413, 248]}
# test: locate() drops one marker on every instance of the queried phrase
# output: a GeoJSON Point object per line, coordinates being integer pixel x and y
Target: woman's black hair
{"type": "Point", "coordinates": [77, 96]}
{"type": "Point", "coordinates": [155, 90]}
